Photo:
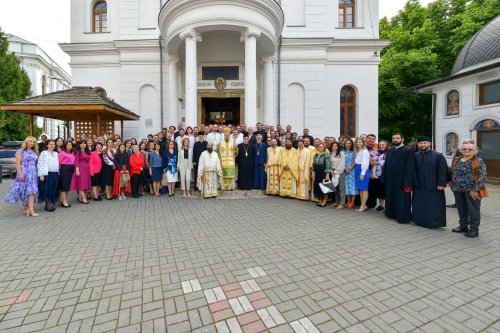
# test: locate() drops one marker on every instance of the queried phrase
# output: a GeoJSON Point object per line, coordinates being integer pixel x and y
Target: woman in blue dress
{"type": "Point", "coordinates": [170, 167]}
{"type": "Point", "coordinates": [25, 186]}
{"type": "Point", "coordinates": [350, 180]}
{"type": "Point", "coordinates": [155, 163]}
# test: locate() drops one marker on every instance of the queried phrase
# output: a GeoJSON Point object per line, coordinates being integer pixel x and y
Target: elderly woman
{"type": "Point", "coordinates": [468, 176]}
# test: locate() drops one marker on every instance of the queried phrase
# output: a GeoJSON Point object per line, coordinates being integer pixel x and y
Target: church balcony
{"type": "Point", "coordinates": [264, 16]}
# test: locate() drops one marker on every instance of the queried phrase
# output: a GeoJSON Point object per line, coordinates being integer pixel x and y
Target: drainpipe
{"type": "Point", "coordinates": [279, 80]}
{"type": "Point", "coordinates": [434, 98]}
{"type": "Point", "coordinates": [161, 80]}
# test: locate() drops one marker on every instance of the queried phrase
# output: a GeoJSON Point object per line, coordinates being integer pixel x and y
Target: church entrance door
{"type": "Point", "coordinates": [220, 110]}
{"type": "Point", "coordinates": [488, 142]}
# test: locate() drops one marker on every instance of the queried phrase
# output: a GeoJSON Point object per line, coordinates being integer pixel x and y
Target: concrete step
{"type": "Point", "coordinates": [236, 194]}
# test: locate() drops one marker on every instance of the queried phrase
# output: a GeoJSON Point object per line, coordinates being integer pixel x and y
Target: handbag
{"type": "Point", "coordinates": [124, 179]}
{"type": "Point", "coordinates": [326, 186]}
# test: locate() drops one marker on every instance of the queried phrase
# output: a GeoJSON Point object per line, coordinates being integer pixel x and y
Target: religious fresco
{"type": "Point", "coordinates": [453, 103]}
{"type": "Point", "coordinates": [451, 144]}
{"type": "Point", "coordinates": [487, 124]}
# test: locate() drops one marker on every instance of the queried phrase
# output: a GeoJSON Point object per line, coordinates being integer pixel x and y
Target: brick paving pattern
{"type": "Point", "coordinates": [243, 265]}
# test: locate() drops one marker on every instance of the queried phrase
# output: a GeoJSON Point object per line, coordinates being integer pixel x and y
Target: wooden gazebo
{"type": "Point", "coordinates": [89, 108]}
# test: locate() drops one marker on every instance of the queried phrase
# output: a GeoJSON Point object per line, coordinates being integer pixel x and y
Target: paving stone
{"type": "Point", "coordinates": [126, 267]}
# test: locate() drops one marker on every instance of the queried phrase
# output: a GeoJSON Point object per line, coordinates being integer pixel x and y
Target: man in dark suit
{"type": "Point", "coordinates": [41, 145]}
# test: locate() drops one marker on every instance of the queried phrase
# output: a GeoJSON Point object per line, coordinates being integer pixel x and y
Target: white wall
{"type": "Point", "coordinates": [470, 111]}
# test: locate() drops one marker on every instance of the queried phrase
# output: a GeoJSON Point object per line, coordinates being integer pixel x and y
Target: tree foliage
{"type": "Point", "coordinates": [425, 41]}
{"type": "Point", "coordinates": [14, 85]}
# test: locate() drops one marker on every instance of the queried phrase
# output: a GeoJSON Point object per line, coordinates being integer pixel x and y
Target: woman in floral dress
{"type": "Point", "coordinates": [350, 180]}
{"type": "Point", "coordinates": [25, 186]}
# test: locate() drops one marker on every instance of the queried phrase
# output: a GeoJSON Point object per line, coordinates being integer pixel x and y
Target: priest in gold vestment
{"type": "Point", "coordinates": [273, 168]}
{"type": "Point", "coordinates": [209, 173]}
{"type": "Point", "coordinates": [227, 154]}
{"type": "Point", "coordinates": [289, 170]}
{"type": "Point", "coordinates": [304, 176]}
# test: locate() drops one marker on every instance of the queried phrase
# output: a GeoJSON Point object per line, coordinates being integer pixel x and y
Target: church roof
{"type": "Point", "coordinates": [484, 46]}
{"type": "Point", "coordinates": [15, 39]}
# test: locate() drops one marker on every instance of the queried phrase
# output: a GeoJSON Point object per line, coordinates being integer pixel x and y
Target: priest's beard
{"type": "Point", "coordinates": [210, 150]}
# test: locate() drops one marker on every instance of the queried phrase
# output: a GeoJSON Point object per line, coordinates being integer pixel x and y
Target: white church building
{"type": "Point", "coordinates": [310, 64]}
{"type": "Point", "coordinates": [45, 74]}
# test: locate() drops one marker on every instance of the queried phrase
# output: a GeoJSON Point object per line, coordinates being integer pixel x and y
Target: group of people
{"type": "Point", "coordinates": [408, 185]}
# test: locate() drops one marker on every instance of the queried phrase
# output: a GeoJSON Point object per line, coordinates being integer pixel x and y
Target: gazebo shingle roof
{"type": "Point", "coordinates": [76, 99]}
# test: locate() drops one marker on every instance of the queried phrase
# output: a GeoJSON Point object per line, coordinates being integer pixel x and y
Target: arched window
{"type": "Point", "coordinates": [348, 111]}
{"type": "Point", "coordinates": [100, 17]}
{"type": "Point", "coordinates": [346, 13]}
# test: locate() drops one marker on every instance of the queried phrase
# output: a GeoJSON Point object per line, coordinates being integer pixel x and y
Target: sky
{"type": "Point", "coordinates": [47, 22]}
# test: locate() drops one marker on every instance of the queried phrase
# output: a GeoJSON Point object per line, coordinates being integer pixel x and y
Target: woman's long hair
{"type": "Point", "coordinates": [79, 149]}
{"type": "Point", "coordinates": [24, 146]}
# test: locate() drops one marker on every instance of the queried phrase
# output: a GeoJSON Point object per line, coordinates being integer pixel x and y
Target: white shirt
{"type": "Point", "coordinates": [363, 158]}
{"type": "Point", "coordinates": [238, 139]}
{"type": "Point", "coordinates": [47, 162]}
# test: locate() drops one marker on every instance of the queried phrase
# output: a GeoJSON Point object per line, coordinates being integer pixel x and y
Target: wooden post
{"type": "Point", "coordinates": [121, 129]}
{"type": "Point", "coordinates": [98, 130]}
{"type": "Point", "coordinates": [66, 130]}
{"type": "Point", "coordinates": [31, 124]}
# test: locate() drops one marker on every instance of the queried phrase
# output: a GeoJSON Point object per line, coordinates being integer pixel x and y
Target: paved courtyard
{"type": "Point", "coordinates": [243, 265]}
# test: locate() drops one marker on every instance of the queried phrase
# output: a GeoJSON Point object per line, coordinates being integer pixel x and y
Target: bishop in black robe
{"type": "Point", "coordinates": [259, 151]}
{"type": "Point", "coordinates": [244, 160]}
{"type": "Point", "coordinates": [199, 147]}
{"type": "Point", "coordinates": [429, 202]}
{"type": "Point", "coordinates": [399, 177]}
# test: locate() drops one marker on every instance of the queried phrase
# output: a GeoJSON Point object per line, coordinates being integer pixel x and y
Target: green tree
{"type": "Point", "coordinates": [14, 85]}
{"type": "Point", "coordinates": [425, 42]}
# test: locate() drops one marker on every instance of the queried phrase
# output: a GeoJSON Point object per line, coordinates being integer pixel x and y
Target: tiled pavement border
{"type": "Point", "coordinates": [243, 307]}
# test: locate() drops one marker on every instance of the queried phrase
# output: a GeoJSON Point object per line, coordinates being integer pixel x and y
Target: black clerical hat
{"type": "Point", "coordinates": [423, 138]}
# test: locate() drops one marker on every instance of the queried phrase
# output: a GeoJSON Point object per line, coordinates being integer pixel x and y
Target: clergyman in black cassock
{"type": "Point", "coordinates": [199, 147]}
{"type": "Point", "coordinates": [429, 202]}
{"type": "Point", "coordinates": [399, 178]}
{"type": "Point", "coordinates": [244, 160]}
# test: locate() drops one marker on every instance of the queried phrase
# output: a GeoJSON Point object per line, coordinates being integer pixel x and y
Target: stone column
{"type": "Point", "coordinates": [173, 92]}
{"type": "Point", "coordinates": [269, 115]}
{"type": "Point", "coordinates": [249, 36]}
{"type": "Point", "coordinates": [191, 37]}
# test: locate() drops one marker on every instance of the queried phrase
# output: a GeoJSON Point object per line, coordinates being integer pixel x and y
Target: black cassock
{"type": "Point", "coordinates": [429, 204]}
{"type": "Point", "coordinates": [398, 173]}
{"type": "Point", "coordinates": [198, 148]}
{"type": "Point", "coordinates": [244, 159]}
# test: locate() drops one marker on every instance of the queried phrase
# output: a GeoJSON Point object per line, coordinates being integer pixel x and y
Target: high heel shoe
{"type": "Point", "coordinates": [31, 213]}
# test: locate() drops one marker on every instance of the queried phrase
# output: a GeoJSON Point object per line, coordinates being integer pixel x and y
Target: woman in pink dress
{"type": "Point", "coordinates": [81, 178]}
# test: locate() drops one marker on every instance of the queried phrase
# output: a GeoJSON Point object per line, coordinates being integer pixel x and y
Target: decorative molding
{"type": "Point", "coordinates": [249, 32]}
{"type": "Point", "coordinates": [172, 59]}
{"type": "Point", "coordinates": [191, 33]}
{"type": "Point", "coordinates": [272, 59]}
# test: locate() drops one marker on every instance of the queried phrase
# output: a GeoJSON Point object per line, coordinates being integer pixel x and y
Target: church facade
{"type": "Point", "coordinates": [308, 64]}
{"type": "Point", "coordinates": [467, 103]}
